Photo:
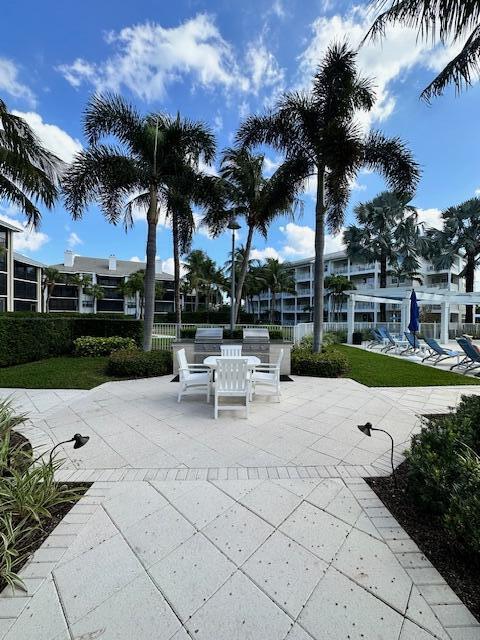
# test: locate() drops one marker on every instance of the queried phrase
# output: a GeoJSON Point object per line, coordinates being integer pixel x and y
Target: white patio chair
{"type": "Point", "coordinates": [268, 375]}
{"type": "Point", "coordinates": [193, 377]}
{"type": "Point", "coordinates": [232, 380]}
{"type": "Point", "coordinates": [231, 350]}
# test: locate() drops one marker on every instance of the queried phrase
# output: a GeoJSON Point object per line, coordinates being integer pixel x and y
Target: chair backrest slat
{"type": "Point", "coordinates": [470, 349]}
{"type": "Point", "coordinates": [435, 346]}
{"type": "Point", "coordinates": [231, 350]}
{"type": "Point", "coordinates": [231, 374]}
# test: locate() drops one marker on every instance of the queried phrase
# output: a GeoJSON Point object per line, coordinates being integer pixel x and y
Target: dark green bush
{"type": "Point", "coordinates": [95, 346]}
{"type": "Point", "coordinates": [222, 316]}
{"type": "Point", "coordinates": [29, 337]}
{"type": "Point", "coordinates": [327, 364]}
{"type": "Point", "coordinates": [275, 334]}
{"type": "Point", "coordinates": [133, 363]}
{"type": "Point", "coordinates": [444, 471]}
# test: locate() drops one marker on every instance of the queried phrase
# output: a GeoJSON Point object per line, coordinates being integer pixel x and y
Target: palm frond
{"type": "Point", "coordinates": [110, 114]}
{"type": "Point", "coordinates": [13, 194]}
{"type": "Point", "coordinates": [392, 158]}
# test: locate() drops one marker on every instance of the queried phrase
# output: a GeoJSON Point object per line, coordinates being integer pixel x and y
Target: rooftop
{"type": "Point", "coordinates": [101, 266]}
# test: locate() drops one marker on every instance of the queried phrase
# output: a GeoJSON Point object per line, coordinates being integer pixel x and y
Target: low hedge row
{"type": "Point", "coordinates": [221, 316]}
{"type": "Point", "coordinates": [327, 364]}
{"type": "Point", "coordinates": [444, 471]}
{"type": "Point", "coordinates": [133, 363]}
{"type": "Point", "coordinates": [28, 338]}
{"type": "Point", "coordinates": [94, 346]}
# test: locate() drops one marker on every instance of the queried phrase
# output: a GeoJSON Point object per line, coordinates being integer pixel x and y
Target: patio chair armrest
{"type": "Point", "coordinates": [266, 367]}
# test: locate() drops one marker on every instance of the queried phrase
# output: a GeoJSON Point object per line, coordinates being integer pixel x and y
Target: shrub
{"type": "Point", "coordinates": [139, 364]}
{"type": "Point", "coordinates": [25, 338]}
{"type": "Point", "coordinates": [462, 517]}
{"type": "Point", "coordinates": [93, 346]}
{"type": "Point", "coordinates": [444, 471]}
{"type": "Point", "coordinates": [275, 334]}
{"type": "Point", "coordinates": [327, 364]}
{"type": "Point", "coordinates": [334, 337]}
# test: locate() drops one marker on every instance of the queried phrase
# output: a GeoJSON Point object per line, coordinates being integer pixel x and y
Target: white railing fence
{"type": "Point", "coordinates": [165, 333]}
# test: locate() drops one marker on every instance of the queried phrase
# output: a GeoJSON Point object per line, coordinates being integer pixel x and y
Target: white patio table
{"type": "Point", "coordinates": [211, 361]}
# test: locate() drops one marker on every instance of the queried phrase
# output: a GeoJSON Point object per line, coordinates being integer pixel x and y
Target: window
{"type": "Point", "coordinates": [112, 294]}
{"type": "Point", "coordinates": [59, 304]}
{"type": "Point", "coordinates": [3, 239]}
{"type": "Point", "coordinates": [110, 305]}
{"type": "Point", "coordinates": [24, 305]}
{"type": "Point", "coordinates": [3, 284]}
{"type": "Point", "coordinates": [3, 259]}
{"type": "Point", "coordinates": [64, 291]}
{"type": "Point", "coordinates": [25, 290]}
{"type": "Point", "coordinates": [3, 304]}
{"type": "Point", "coordinates": [107, 281]}
{"type": "Point", "coordinates": [24, 271]}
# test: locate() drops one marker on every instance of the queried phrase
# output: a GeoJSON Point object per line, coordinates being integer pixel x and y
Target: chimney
{"type": "Point", "coordinates": [68, 258]}
{"type": "Point", "coordinates": [112, 263]}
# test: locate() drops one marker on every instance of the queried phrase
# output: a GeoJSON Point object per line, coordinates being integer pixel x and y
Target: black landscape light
{"type": "Point", "coordinates": [78, 440]}
{"type": "Point", "coordinates": [367, 429]}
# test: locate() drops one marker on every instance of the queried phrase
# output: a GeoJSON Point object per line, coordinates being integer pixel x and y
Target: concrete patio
{"type": "Point", "coordinates": [259, 529]}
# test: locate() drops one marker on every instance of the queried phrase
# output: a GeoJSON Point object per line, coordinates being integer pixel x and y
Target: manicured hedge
{"type": "Point", "coordinates": [327, 364]}
{"type": "Point", "coordinates": [202, 317]}
{"type": "Point", "coordinates": [444, 471]}
{"type": "Point", "coordinates": [34, 337]}
{"type": "Point", "coordinates": [94, 346]}
{"type": "Point", "coordinates": [134, 363]}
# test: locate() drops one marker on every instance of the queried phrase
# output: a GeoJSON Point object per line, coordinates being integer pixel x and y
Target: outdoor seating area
{"type": "Point", "coordinates": [229, 376]}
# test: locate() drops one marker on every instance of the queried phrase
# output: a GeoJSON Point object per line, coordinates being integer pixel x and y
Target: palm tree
{"type": "Point", "coordinates": [50, 277]}
{"type": "Point", "coordinates": [135, 286]}
{"type": "Point", "coordinates": [154, 165]}
{"type": "Point", "coordinates": [336, 286]}
{"type": "Point", "coordinates": [278, 278]}
{"type": "Point", "coordinates": [320, 136]}
{"type": "Point", "coordinates": [195, 266]}
{"type": "Point", "coordinates": [445, 20]}
{"type": "Point", "coordinates": [460, 233]}
{"type": "Point", "coordinates": [387, 231]}
{"type": "Point", "coordinates": [254, 284]}
{"type": "Point", "coordinates": [95, 291]}
{"type": "Point", "coordinates": [29, 174]}
{"type": "Point", "coordinates": [256, 198]}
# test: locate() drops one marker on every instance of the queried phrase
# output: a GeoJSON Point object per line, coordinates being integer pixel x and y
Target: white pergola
{"type": "Point", "coordinates": [401, 297]}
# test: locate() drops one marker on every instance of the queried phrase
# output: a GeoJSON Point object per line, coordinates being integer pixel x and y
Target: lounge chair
{"type": "Point", "coordinates": [439, 353]}
{"type": "Point", "coordinates": [391, 342]}
{"type": "Point", "coordinates": [472, 356]}
{"type": "Point", "coordinates": [414, 345]}
{"type": "Point", "coordinates": [377, 339]}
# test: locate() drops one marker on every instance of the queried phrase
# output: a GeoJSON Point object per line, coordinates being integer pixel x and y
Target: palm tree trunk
{"type": "Point", "coordinates": [243, 272]}
{"type": "Point", "coordinates": [152, 217]}
{"type": "Point", "coordinates": [383, 285]}
{"type": "Point", "coordinates": [176, 271]}
{"type": "Point", "coordinates": [469, 286]}
{"type": "Point", "coordinates": [273, 301]}
{"type": "Point", "coordinates": [319, 271]}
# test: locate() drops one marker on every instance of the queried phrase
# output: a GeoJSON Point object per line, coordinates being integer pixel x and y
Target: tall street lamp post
{"type": "Point", "coordinates": [234, 226]}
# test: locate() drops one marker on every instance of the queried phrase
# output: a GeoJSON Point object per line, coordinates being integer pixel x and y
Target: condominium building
{"type": "Point", "coordinates": [109, 274]}
{"type": "Point", "coordinates": [20, 277]}
{"type": "Point", "coordinates": [291, 309]}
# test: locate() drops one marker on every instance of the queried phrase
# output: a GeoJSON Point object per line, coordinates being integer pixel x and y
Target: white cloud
{"type": "Point", "coordinates": [27, 240]}
{"type": "Point", "coordinates": [74, 240]}
{"type": "Point", "coordinates": [52, 137]}
{"type": "Point", "coordinates": [218, 123]}
{"type": "Point", "coordinates": [477, 192]}
{"type": "Point", "coordinates": [430, 217]}
{"type": "Point", "coordinates": [383, 61]}
{"type": "Point", "coordinates": [263, 254]}
{"type": "Point", "coordinates": [135, 259]}
{"type": "Point", "coordinates": [278, 9]}
{"type": "Point", "coordinates": [243, 109]}
{"type": "Point", "coordinates": [10, 83]}
{"type": "Point", "coordinates": [148, 57]}
{"type": "Point", "coordinates": [263, 69]}
{"type": "Point", "coordinates": [168, 267]}
{"type": "Point", "coordinates": [271, 164]}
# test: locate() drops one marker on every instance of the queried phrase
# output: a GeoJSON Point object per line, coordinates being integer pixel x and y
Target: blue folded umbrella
{"type": "Point", "coordinates": [414, 323]}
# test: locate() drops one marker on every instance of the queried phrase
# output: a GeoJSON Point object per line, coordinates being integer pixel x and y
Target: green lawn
{"type": "Point", "coordinates": [379, 370]}
{"type": "Point", "coordinates": [56, 373]}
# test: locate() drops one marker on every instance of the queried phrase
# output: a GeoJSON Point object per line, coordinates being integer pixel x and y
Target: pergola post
{"type": "Point", "coordinates": [350, 318]}
{"type": "Point", "coordinates": [404, 312]}
{"type": "Point", "coordinates": [444, 322]}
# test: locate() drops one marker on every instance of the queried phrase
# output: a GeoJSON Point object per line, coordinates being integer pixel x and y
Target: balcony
{"type": "Point", "coordinates": [355, 268]}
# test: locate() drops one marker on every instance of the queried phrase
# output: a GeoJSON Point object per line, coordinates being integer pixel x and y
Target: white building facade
{"type": "Point", "coordinates": [292, 309]}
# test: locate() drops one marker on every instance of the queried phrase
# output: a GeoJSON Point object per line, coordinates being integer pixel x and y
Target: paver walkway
{"type": "Point", "coordinates": [267, 532]}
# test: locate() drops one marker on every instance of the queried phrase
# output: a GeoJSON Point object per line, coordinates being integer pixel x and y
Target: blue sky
{"type": "Point", "coordinates": [217, 61]}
